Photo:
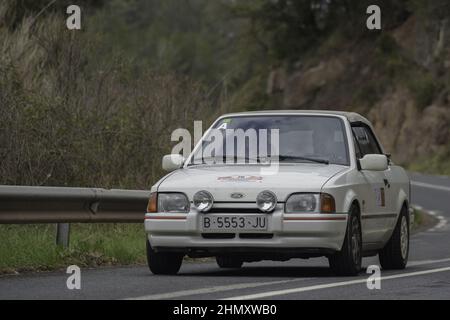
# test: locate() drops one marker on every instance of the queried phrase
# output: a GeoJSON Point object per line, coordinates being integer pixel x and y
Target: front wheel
{"type": "Point", "coordinates": [395, 254]}
{"type": "Point", "coordinates": [347, 262]}
{"type": "Point", "coordinates": [167, 263]}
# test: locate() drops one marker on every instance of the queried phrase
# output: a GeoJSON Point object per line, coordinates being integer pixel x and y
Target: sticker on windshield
{"type": "Point", "coordinates": [224, 125]}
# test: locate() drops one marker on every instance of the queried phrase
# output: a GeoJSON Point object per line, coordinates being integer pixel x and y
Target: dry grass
{"type": "Point", "coordinates": [72, 116]}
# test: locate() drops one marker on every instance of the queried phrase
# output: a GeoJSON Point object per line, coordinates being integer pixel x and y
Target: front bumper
{"type": "Point", "coordinates": [302, 232]}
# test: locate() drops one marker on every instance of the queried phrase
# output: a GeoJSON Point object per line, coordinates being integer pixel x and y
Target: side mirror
{"type": "Point", "coordinates": [172, 162]}
{"type": "Point", "coordinates": [374, 162]}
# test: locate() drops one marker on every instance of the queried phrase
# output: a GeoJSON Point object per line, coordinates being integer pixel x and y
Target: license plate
{"type": "Point", "coordinates": [235, 223]}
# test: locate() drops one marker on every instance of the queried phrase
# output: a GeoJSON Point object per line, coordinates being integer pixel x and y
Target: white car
{"type": "Point", "coordinates": [328, 190]}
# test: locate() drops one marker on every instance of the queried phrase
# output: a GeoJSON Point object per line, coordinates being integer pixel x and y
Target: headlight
{"type": "Point", "coordinates": [173, 203]}
{"type": "Point", "coordinates": [303, 202]}
{"type": "Point", "coordinates": [266, 201]}
{"type": "Point", "coordinates": [203, 201]}
{"type": "Point", "coordinates": [310, 203]}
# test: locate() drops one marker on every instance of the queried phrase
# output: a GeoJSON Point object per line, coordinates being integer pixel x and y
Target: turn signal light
{"type": "Point", "coordinates": [152, 206]}
{"type": "Point", "coordinates": [327, 203]}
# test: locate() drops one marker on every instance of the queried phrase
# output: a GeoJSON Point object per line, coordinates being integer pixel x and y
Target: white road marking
{"type": "Point", "coordinates": [430, 186]}
{"type": "Point", "coordinates": [442, 221]}
{"type": "Point", "coordinates": [184, 293]}
{"type": "Point", "coordinates": [332, 285]}
{"type": "Point", "coordinates": [423, 262]}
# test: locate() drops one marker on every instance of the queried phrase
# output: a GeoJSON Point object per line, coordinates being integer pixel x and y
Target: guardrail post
{"type": "Point", "coordinates": [63, 234]}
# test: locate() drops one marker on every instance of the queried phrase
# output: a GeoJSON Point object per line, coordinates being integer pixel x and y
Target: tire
{"type": "Point", "coordinates": [164, 263]}
{"type": "Point", "coordinates": [394, 256]}
{"type": "Point", "coordinates": [347, 262]}
{"type": "Point", "coordinates": [229, 262]}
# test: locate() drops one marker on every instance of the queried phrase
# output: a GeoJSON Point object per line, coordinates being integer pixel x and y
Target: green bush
{"type": "Point", "coordinates": [438, 163]}
{"type": "Point", "coordinates": [423, 89]}
{"type": "Point", "coordinates": [390, 58]}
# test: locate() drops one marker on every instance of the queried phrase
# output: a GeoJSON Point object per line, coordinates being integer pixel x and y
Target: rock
{"type": "Point", "coordinates": [303, 84]}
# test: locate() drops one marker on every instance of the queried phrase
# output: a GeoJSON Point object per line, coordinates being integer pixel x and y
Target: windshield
{"type": "Point", "coordinates": [261, 139]}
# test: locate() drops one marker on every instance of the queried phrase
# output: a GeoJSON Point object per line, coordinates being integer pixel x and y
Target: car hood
{"type": "Point", "coordinates": [248, 180]}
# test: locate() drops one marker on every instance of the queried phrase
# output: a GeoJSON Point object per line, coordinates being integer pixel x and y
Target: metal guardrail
{"type": "Point", "coordinates": [21, 205]}
{"type": "Point", "coordinates": [33, 205]}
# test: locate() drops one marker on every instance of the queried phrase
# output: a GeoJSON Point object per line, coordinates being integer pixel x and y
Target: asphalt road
{"type": "Point", "coordinates": [427, 275]}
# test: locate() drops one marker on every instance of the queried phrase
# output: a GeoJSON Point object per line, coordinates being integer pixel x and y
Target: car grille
{"type": "Point", "coordinates": [236, 210]}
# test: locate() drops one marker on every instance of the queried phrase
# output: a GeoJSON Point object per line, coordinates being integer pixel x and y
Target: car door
{"type": "Point", "coordinates": [394, 184]}
{"type": "Point", "coordinates": [375, 201]}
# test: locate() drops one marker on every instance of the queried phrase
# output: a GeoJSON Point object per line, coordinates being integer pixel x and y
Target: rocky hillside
{"type": "Point", "coordinates": [399, 79]}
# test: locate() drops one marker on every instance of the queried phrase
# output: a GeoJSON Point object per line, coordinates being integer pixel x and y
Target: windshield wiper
{"type": "Point", "coordinates": [223, 160]}
{"type": "Point", "coordinates": [300, 158]}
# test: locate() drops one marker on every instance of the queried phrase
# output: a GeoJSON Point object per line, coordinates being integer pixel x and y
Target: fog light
{"type": "Point", "coordinates": [203, 201]}
{"type": "Point", "coordinates": [266, 201]}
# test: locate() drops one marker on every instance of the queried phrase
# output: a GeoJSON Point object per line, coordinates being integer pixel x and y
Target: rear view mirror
{"type": "Point", "coordinates": [374, 162]}
{"type": "Point", "coordinates": [172, 162]}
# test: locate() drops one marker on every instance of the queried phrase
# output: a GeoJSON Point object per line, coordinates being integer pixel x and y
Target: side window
{"type": "Point", "coordinates": [366, 141]}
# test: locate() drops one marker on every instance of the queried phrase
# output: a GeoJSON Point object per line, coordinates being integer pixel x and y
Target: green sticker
{"type": "Point", "coordinates": [226, 121]}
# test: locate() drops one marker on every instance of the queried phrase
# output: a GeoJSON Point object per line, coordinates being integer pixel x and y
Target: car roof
{"type": "Point", "coordinates": [351, 116]}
